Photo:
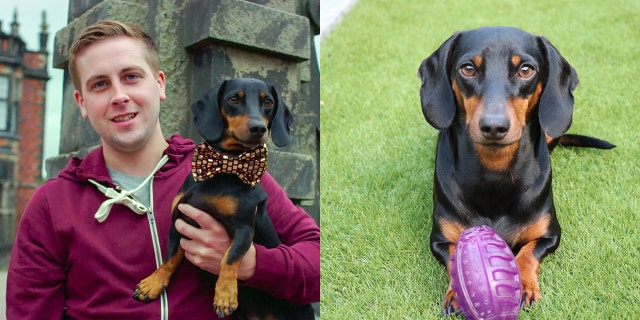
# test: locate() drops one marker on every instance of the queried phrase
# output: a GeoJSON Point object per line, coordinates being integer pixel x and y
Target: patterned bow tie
{"type": "Point", "coordinates": [248, 166]}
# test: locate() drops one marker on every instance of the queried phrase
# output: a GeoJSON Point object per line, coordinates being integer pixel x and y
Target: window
{"type": "Point", "coordinates": [6, 176]}
{"type": "Point", "coordinates": [5, 112]}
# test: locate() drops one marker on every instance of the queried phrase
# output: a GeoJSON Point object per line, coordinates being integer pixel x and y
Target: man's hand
{"type": "Point", "coordinates": [209, 243]}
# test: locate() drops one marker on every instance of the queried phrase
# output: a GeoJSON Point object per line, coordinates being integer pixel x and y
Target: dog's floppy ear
{"type": "Point", "coordinates": [556, 100]}
{"type": "Point", "coordinates": [436, 95]}
{"type": "Point", "coordinates": [281, 122]}
{"type": "Point", "coordinates": [206, 114]}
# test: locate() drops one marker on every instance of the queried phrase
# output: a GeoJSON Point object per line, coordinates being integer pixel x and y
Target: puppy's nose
{"type": "Point", "coordinates": [257, 128]}
{"type": "Point", "coordinates": [494, 127]}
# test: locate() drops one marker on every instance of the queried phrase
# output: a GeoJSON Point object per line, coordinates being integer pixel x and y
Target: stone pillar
{"type": "Point", "coordinates": [202, 42]}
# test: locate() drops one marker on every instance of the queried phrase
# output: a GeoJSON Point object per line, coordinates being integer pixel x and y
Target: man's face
{"type": "Point", "coordinates": [120, 94]}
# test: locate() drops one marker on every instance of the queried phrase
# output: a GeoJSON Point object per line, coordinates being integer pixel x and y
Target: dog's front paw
{"type": "Point", "coordinates": [152, 286]}
{"type": "Point", "coordinates": [530, 294]}
{"type": "Point", "coordinates": [225, 300]}
{"type": "Point", "coordinates": [450, 305]}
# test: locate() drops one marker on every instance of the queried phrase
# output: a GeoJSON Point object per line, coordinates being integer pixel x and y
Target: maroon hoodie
{"type": "Point", "coordinates": [66, 264]}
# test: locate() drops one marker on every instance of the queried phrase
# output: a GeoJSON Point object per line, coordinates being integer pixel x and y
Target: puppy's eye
{"type": "Point", "coordinates": [526, 71]}
{"type": "Point", "coordinates": [268, 104]}
{"type": "Point", "coordinates": [468, 70]}
{"type": "Point", "coordinates": [234, 100]}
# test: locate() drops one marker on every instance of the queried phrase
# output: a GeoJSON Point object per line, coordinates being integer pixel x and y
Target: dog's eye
{"type": "Point", "coordinates": [268, 104]}
{"type": "Point", "coordinates": [233, 100]}
{"type": "Point", "coordinates": [526, 71]}
{"type": "Point", "coordinates": [468, 70]}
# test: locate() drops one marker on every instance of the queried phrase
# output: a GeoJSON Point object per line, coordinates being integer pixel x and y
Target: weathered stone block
{"type": "Point", "coordinates": [247, 25]}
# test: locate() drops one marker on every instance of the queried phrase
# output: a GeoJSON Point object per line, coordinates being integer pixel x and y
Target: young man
{"type": "Point", "coordinates": [78, 254]}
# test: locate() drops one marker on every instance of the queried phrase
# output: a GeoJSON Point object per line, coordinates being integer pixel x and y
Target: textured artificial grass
{"type": "Point", "coordinates": [377, 159]}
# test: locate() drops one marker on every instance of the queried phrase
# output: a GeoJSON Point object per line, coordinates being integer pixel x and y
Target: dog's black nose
{"type": "Point", "coordinates": [494, 127]}
{"type": "Point", "coordinates": [257, 128]}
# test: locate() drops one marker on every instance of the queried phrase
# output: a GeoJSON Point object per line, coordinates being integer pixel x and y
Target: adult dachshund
{"type": "Point", "coordinates": [502, 99]}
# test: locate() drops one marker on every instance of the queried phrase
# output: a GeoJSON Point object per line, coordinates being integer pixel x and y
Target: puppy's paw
{"type": "Point", "coordinates": [152, 286]}
{"type": "Point", "coordinates": [225, 301]}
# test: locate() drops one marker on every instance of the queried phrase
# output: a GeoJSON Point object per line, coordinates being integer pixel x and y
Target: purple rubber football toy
{"type": "Point", "coordinates": [484, 276]}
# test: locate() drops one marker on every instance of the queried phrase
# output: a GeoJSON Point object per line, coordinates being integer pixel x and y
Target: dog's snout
{"type": "Point", "coordinates": [494, 127]}
{"type": "Point", "coordinates": [257, 128]}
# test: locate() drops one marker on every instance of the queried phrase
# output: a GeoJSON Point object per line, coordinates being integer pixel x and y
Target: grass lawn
{"type": "Point", "coordinates": [377, 159]}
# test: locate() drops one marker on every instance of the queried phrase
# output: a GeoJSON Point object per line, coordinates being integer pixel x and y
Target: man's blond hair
{"type": "Point", "coordinates": [106, 29]}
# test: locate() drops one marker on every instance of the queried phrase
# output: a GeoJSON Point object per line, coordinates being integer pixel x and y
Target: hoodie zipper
{"type": "Point", "coordinates": [119, 196]}
{"type": "Point", "coordinates": [164, 304]}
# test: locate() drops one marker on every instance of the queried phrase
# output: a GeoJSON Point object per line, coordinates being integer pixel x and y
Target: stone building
{"type": "Point", "coordinates": [23, 82]}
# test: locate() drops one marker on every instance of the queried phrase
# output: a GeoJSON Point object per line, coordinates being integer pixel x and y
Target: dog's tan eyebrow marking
{"type": "Point", "coordinates": [477, 60]}
{"type": "Point", "coordinates": [263, 95]}
{"type": "Point", "coordinates": [241, 94]}
{"type": "Point", "coordinates": [516, 59]}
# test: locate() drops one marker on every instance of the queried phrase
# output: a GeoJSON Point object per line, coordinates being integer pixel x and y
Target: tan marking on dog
{"type": "Point", "coordinates": [527, 262]}
{"type": "Point", "coordinates": [518, 111]}
{"type": "Point", "coordinates": [236, 126]}
{"type": "Point", "coordinates": [497, 159]}
{"type": "Point", "coordinates": [534, 98]}
{"type": "Point", "coordinates": [470, 104]}
{"type": "Point", "coordinates": [176, 201]}
{"type": "Point", "coordinates": [451, 230]}
{"type": "Point", "coordinates": [524, 106]}
{"type": "Point", "coordinates": [224, 204]}
{"type": "Point", "coordinates": [515, 60]}
{"type": "Point", "coordinates": [477, 60]}
{"type": "Point", "coordinates": [226, 293]}
{"type": "Point", "coordinates": [548, 138]}
{"type": "Point", "coordinates": [536, 230]}
{"type": "Point", "coordinates": [152, 286]}
{"type": "Point", "coordinates": [529, 268]}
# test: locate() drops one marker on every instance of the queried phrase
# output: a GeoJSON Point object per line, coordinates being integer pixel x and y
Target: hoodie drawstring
{"type": "Point", "coordinates": [124, 197]}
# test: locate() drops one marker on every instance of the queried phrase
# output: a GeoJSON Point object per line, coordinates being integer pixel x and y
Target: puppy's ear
{"type": "Point", "coordinates": [556, 100]}
{"type": "Point", "coordinates": [280, 125]}
{"type": "Point", "coordinates": [436, 95]}
{"type": "Point", "coordinates": [206, 114]}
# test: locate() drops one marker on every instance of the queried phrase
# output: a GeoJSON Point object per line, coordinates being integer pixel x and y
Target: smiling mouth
{"type": "Point", "coordinates": [125, 117]}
